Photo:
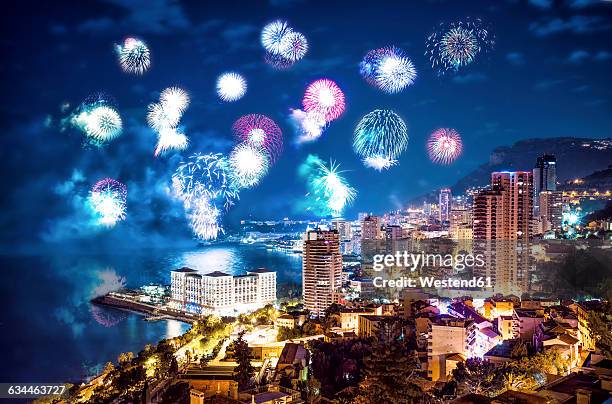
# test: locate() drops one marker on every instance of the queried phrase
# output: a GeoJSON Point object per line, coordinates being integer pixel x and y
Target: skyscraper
{"type": "Point", "coordinates": [371, 228]}
{"type": "Point", "coordinates": [445, 205]}
{"type": "Point", "coordinates": [544, 179]}
{"type": "Point", "coordinates": [321, 269]}
{"type": "Point", "coordinates": [517, 210]}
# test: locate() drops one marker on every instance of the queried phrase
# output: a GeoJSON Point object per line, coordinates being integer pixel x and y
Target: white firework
{"type": "Point", "coordinates": [170, 139]}
{"type": "Point", "coordinates": [248, 165]}
{"type": "Point", "coordinates": [134, 56]}
{"type": "Point", "coordinates": [231, 86]}
{"type": "Point", "coordinates": [395, 72]}
{"type": "Point", "coordinates": [272, 36]}
{"type": "Point", "coordinates": [379, 162]}
{"type": "Point", "coordinates": [161, 117]}
{"type": "Point", "coordinates": [102, 123]}
{"type": "Point", "coordinates": [294, 46]}
{"type": "Point", "coordinates": [174, 99]}
{"type": "Point", "coordinates": [204, 219]}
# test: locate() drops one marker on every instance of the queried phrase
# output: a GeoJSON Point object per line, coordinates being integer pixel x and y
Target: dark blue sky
{"type": "Point", "coordinates": [548, 76]}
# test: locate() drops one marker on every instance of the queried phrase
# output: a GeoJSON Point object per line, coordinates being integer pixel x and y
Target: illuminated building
{"type": "Point", "coordinates": [220, 293]}
{"type": "Point", "coordinates": [448, 336]}
{"type": "Point", "coordinates": [544, 179]}
{"type": "Point", "coordinates": [344, 229]}
{"type": "Point", "coordinates": [444, 200]}
{"type": "Point", "coordinates": [321, 269]}
{"type": "Point", "coordinates": [371, 228]}
{"type": "Point", "coordinates": [550, 211]}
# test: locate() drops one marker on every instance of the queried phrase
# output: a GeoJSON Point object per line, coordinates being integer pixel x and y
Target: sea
{"type": "Point", "coordinates": [49, 330]}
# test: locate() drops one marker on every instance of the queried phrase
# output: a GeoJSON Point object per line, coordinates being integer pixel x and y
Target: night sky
{"type": "Point", "coordinates": [548, 76]}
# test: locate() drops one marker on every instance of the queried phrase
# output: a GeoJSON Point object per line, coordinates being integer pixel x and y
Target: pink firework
{"type": "Point", "coordinates": [259, 131]}
{"type": "Point", "coordinates": [324, 97]}
{"type": "Point", "coordinates": [444, 146]}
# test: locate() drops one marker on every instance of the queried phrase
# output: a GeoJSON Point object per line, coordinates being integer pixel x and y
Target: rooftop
{"type": "Point", "coordinates": [184, 269]}
{"type": "Point", "coordinates": [259, 271]}
{"type": "Point", "coordinates": [217, 274]}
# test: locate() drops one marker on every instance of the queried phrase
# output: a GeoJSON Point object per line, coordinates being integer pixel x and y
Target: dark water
{"type": "Point", "coordinates": [49, 332]}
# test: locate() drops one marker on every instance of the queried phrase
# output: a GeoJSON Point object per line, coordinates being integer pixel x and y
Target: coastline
{"type": "Point", "coordinates": [109, 300]}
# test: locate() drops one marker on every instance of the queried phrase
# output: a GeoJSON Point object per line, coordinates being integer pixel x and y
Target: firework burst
{"type": "Point", "coordinates": [108, 200]}
{"type": "Point", "coordinates": [174, 99]}
{"type": "Point", "coordinates": [248, 165]}
{"type": "Point", "coordinates": [170, 139]}
{"type": "Point", "coordinates": [389, 69]}
{"type": "Point", "coordinates": [328, 192]}
{"type": "Point", "coordinates": [273, 34]}
{"type": "Point", "coordinates": [161, 117]}
{"type": "Point", "coordinates": [231, 86]}
{"type": "Point", "coordinates": [205, 175]}
{"type": "Point", "coordinates": [98, 120]}
{"type": "Point", "coordinates": [309, 126]}
{"type": "Point", "coordinates": [444, 146]}
{"type": "Point", "coordinates": [204, 219]}
{"type": "Point", "coordinates": [294, 46]}
{"type": "Point", "coordinates": [259, 131]}
{"type": "Point", "coordinates": [324, 97]}
{"type": "Point", "coordinates": [458, 44]}
{"type": "Point", "coordinates": [134, 56]}
{"type": "Point", "coordinates": [380, 137]}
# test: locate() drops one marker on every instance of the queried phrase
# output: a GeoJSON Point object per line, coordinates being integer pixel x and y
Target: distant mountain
{"type": "Point", "coordinates": [601, 180]}
{"type": "Point", "coordinates": [576, 158]}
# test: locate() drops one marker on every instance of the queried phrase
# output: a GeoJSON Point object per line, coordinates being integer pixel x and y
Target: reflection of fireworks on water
{"type": "Point", "coordinates": [205, 175]}
{"type": "Point", "coordinates": [272, 36]}
{"type": "Point", "coordinates": [259, 131]}
{"type": "Point", "coordinates": [294, 46]}
{"type": "Point", "coordinates": [174, 99]}
{"type": "Point", "coordinates": [248, 165]}
{"type": "Point", "coordinates": [444, 146]}
{"type": "Point", "coordinates": [381, 135]}
{"type": "Point", "coordinates": [170, 139]}
{"type": "Point", "coordinates": [324, 97]}
{"type": "Point", "coordinates": [134, 56]}
{"type": "Point", "coordinates": [328, 192]}
{"type": "Point", "coordinates": [309, 126]}
{"type": "Point", "coordinates": [204, 219]}
{"type": "Point", "coordinates": [388, 69]}
{"type": "Point", "coordinates": [231, 86]}
{"type": "Point", "coordinates": [458, 44]}
{"type": "Point", "coordinates": [108, 200]}
{"type": "Point", "coordinates": [106, 316]}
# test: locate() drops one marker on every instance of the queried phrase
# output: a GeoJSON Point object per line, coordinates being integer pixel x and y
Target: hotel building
{"type": "Point", "coordinates": [321, 269]}
{"type": "Point", "coordinates": [220, 293]}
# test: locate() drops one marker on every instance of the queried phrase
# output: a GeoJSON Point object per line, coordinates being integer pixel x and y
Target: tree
{"type": "Point", "coordinates": [600, 332]}
{"type": "Point", "coordinates": [242, 354]}
{"type": "Point", "coordinates": [389, 376]}
{"type": "Point", "coordinates": [519, 350]}
{"type": "Point", "coordinates": [125, 358]}
{"type": "Point", "coordinates": [478, 376]}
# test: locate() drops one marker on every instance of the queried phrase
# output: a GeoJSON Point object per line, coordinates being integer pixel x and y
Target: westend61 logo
{"type": "Point", "coordinates": [412, 262]}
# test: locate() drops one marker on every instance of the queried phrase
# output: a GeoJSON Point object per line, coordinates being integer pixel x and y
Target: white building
{"type": "Point", "coordinates": [220, 293]}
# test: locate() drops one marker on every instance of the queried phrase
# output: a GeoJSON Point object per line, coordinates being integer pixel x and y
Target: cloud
{"type": "Point", "coordinates": [577, 24]}
{"type": "Point", "coordinates": [582, 3]}
{"type": "Point", "coordinates": [547, 84]}
{"type": "Point", "coordinates": [470, 78]}
{"type": "Point", "coordinates": [544, 4]}
{"type": "Point", "coordinates": [142, 16]}
{"type": "Point", "coordinates": [284, 3]}
{"type": "Point", "coordinates": [515, 58]}
{"type": "Point", "coordinates": [578, 56]}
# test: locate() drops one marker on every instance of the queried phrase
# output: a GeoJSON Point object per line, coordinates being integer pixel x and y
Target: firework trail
{"type": "Point", "coordinates": [170, 139]}
{"type": "Point", "coordinates": [444, 146]}
{"type": "Point", "coordinates": [324, 97]}
{"type": "Point", "coordinates": [328, 192]}
{"type": "Point", "coordinates": [458, 44]}
{"type": "Point", "coordinates": [231, 86]}
{"type": "Point", "coordinates": [248, 165]}
{"type": "Point", "coordinates": [204, 219]}
{"type": "Point", "coordinates": [389, 69]}
{"type": "Point", "coordinates": [108, 200]}
{"type": "Point", "coordinates": [309, 126]}
{"type": "Point", "coordinates": [379, 138]}
{"type": "Point", "coordinates": [205, 175]}
{"type": "Point", "coordinates": [134, 56]}
{"type": "Point", "coordinates": [259, 131]}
